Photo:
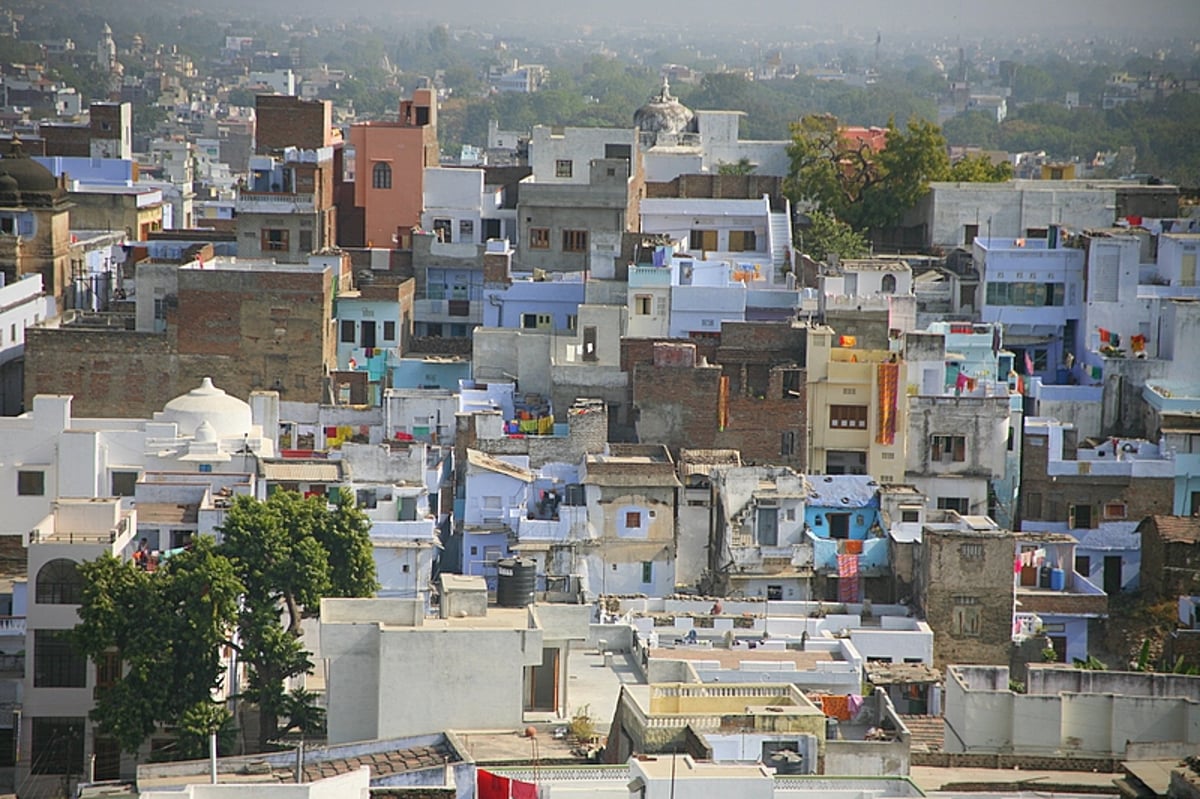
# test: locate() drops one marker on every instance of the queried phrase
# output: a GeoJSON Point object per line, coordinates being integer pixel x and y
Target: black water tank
{"type": "Point", "coordinates": [515, 583]}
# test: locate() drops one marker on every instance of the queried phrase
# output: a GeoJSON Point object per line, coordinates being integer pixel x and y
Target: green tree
{"type": "Point", "coordinates": [980, 169]}
{"type": "Point", "coordinates": [167, 626]}
{"type": "Point", "coordinates": [289, 552]}
{"type": "Point", "coordinates": [826, 235]}
{"type": "Point", "coordinates": [277, 560]}
{"type": "Point", "coordinates": [865, 188]}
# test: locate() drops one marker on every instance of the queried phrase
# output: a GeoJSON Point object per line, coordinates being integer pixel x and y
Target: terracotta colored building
{"type": "Point", "coordinates": [389, 167]}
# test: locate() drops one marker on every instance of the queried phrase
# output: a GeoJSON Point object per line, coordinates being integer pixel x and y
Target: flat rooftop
{"type": "Point", "coordinates": [733, 658]}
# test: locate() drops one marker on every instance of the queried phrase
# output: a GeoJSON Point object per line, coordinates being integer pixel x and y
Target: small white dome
{"type": "Point", "coordinates": [225, 416]}
{"type": "Point", "coordinates": [205, 433]}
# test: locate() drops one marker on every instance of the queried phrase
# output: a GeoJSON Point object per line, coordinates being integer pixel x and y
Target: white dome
{"type": "Point", "coordinates": [225, 416]}
{"type": "Point", "coordinates": [205, 432]}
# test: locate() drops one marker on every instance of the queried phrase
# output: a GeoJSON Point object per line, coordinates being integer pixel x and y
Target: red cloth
{"type": "Point", "coordinates": [491, 786]}
{"type": "Point", "coordinates": [524, 790]}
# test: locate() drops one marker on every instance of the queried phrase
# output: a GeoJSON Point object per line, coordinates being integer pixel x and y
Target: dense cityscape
{"type": "Point", "coordinates": [623, 402]}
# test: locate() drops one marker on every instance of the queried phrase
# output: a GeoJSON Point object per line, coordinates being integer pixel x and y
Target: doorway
{"type": "Point", "coordinates": [1112, 574]}
{"type": "Point", "coordinates": [542, 684]}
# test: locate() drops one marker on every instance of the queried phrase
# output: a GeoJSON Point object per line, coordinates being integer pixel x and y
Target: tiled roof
{"type": "Point", "coordinates": [382, 764]}
{"type": "Point", "coordinates": [302, 471]}
{"type": "Point", "coordinates": [1177, 529]}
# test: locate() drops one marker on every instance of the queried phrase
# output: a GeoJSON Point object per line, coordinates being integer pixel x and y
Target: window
{"type": "Point", "coordinates": [466, 230]}
{"type": "Point", "coordinates": [910, 515]}
{"type": "Point", "coordinates": [306, 241]}
{"type": "Point", "coordinates": [181, 538]}
{"type": "Point", "coordinates": [948, 448]}
{"type": "Point", "coordinates": [31, 484]}
{"type": "Point", "coordinates": [1083, 565]}
{"type": "Point", "coordinates": [123, 483]}
{"type": "Point", "coordinates": [888, 284]}
{"type": "Point", "coordinates": [787, 443]}
{"type": "Point", "coordinates": [442, 229]}
{"type": "Point", "coordinates": [791, 384]}
{"type": "Point", "coordinates": [1025, 294]}
{"type": "Point", "coordinates": [58, 583]}
{"type": "Point", "coordinates": [960, 505]}
{"type": "Point", "coordinates": [539, 238]}
{"type": "Point", "coordinates": [274, 240]}
{"type": "Point", "coordinates": [643, 304]}
{"type": "Point", "coordinates": [381, 176]}
{"type": "Point", "coordinates": [108, 669]}
{"type": "Point", "coordinates": [574, 240]}
{"type": "Point", "coordinates": [589, 343]}
{"type": "Point", "coordinates": [848, 416]}
{"type": "Point", "coordinates": [537, 321]}
{"type": "Point", "coordinates": [647, 571]}
{"type": "Point", "coordinates": [563, 168]}
{"type": "Point", "coordinates": [1114, 510]}
{"type": "Point", "coordinates": [56, 663]}
{"type": "Point", "coordinates": [702, 240]}
{"type": "Point", "coordinates": [1081, 517]}
{"type": "Point", "coordinates": [971, 551]}
{"type": "Point", "coordinates": [389, 331]}
{"type": "Point", "coordinates": [633, 519]}
{"type": "Point", "coordinates": [741, 241]}
{"type": "Point", "coordinates": [969, 234]}
{"type": "Point", "coordinates": [349, 328]}
{"type": "Point", "coordinates": [964, 620]}
{"type": "Point", "coordinates": [56, 745]}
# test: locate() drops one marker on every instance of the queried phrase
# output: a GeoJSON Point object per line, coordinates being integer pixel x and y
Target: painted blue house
{"type": "Point", "coordinates": [369, 328]}
{"type": "Point", "coordinates": [842, 517]}
{"type": "Point", "coordinates": [550, 305]}
{"type": "Point", "coordinates": [443, 372]}
{"type": "Point", "coordinates": [1063, 601]}
{"type": "Point", "coordinates": [1034, 287]}
{"type": "Point", "coordinates": [1110, 555]}
{"type": "Point", "coordinates": [496, 497]}
{"type": "Point", "coordinates": [1174, 407]}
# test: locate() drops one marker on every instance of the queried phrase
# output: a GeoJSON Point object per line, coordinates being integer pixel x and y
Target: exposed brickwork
{"type": "Point", "coordinates": [1052, 500]}
{"type": "Point", "coordinates": [1052, 602]}
{"type": "Point", "coordinates": [764, 394]}
{"type": "Point", "coordinates": [966, 593]}
{"type": "Point", "coordinates": [246, 330]}
{"type": "Point", "coordinates": [722, 187]}
{"type": "Point", "coordinates": [1170, 556]}
{"type": "Point", "coordinates": [284, 121]}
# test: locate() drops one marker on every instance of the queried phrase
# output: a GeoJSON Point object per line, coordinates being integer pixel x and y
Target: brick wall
{"type": "Point", "coordinates": [67, 140]}
{"type": "Point", "coordinates": [246, 330]}
{"type": "Point", "coordinates": [284, 121]}
{"type": "Point", "coordinates": [677, 406]}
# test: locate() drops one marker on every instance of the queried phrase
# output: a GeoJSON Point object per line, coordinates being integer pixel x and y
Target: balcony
{"type": "Point", "coordinates": [872, 559]}
{"type": "Point", "coordinates": [13, 626]}
{"type": "Point", "coordinates": [1079, 597]}
{"type": "Point", "coordinates": [261, 202]}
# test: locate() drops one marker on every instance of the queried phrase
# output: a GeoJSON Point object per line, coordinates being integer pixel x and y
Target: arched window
{"type": "Point", "coordinates": [58, 583]}
{"type": "Point", "coordinates": [888, 284]}
{"type": "Point", "coordinates": [381, 176]}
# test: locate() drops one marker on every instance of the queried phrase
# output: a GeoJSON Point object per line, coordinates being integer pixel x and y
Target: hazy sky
{"type": "Point", "coordinates": [1005, 18]}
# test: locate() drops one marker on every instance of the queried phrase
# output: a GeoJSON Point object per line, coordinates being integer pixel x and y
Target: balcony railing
{"type": "Point", "coordinates": [12, 625]}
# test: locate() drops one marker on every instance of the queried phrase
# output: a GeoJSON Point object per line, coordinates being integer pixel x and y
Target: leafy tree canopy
{"type": "Point", "coordinates": [865, 188]}
{"type": "Point", "coordinates": [276, 561]}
